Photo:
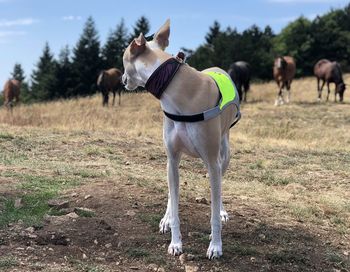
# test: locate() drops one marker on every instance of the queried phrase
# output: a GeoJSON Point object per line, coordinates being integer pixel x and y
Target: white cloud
{"type": "Point", "coordinates": [17, 22]}
{"type": "Point", "coordinates": [71, 18]}
{"type": "Point", "coordinates": [4, 34]}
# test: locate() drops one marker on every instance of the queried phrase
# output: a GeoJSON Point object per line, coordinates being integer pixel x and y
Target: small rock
{"type": "Point", "coordinates": [202, 200]}
{"type": "Point", "coordinates": [153, 267]}
{"type": "Point", "coordinates": [182, 258]}
{"type": "Point", "coordinates": [134, 268]}
{"type": "Point", "coordinates": [50, 249]}
{"type": "Point", "coordinates": [84, 256]}
{"type": "Point", "coordinates": [29, 248]}
{"type": "Point", "coordinates": [18, 203]}
{"type": "Point", "coordinates": [95, 242]}
{"type": "Point", "coordinates": [130, 213]}
{"type": "Point", "coordinates": [252, 259]}
{"type": "Point", "coordinates": [72, 215]}
{"type": "Point", "coordinates": [87, 197]}
{"type": "Point", "coordinates": [127, 163]}
{"type": "Point", "coordinates": [346, 253]}
{"type": "Point", "coordinates": [74, 195]}
{"type": "Point", "coordinates": [30, 229]}
{"type": "Point", "coordinates": [58, 203]}
{"type": "Point", "coordinates": [262, 236]}
{"type": "Point", "coordinates": [190, 257]}
{"type": "Point", "coordinates": [31, 236]}
{"type": "Point", "coordinates": [161, 269]}
{"type": "Point", "coordinates": [109, 245]}
{"type": "Point", "coordinates": [191, 268]}
{"type": "Point", "coordinates": [120, 244]}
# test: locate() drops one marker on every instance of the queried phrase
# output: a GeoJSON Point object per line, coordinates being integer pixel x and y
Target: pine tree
{"type": "Point", "coordinates": [86, 60]}
{"type": "Point", "coordinates": [18, 72]}
{"type": "Point", "coordinates": [43, 78]}
{"type": "Point", "coordinates": [117, 41]}
{"type": "Point", "coordinates": [64, 73]}
{"type": "Point", "coordinates": [142, 26]}
{"type": "Point", "coordinates": [213, 33]}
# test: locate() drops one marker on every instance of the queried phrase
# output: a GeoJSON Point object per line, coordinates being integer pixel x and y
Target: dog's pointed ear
{"type": "Point", "coordinates": [162, 35]}
{"type": "Point", "coordinates": [138, 45]}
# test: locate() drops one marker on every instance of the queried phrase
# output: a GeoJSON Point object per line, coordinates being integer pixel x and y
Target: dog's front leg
{"type": "Point", "coordinates": [175, 247]}
{"type": "Point", "coordinates": [215, 247]}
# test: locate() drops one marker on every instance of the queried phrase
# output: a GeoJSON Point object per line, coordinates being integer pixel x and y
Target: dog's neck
{"type": "Point", "coordinates": [189, 91]}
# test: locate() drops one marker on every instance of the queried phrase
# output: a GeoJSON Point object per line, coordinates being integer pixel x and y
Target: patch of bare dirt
{"type": "Point", "coordinates": [122, 235]}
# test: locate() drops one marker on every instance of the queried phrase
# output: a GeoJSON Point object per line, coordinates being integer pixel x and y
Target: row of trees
{"type": "Point", "coordinates": [74, 73]}
{"type": "Point", "coordinates": [326, 36]}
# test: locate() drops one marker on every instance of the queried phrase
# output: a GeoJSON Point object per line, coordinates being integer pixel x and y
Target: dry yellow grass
{"type": "Point", "coordinates": [290, 163]}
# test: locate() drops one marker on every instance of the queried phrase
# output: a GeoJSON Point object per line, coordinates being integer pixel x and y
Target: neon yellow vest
{"type": "Point", "coordinates": [227, 89]}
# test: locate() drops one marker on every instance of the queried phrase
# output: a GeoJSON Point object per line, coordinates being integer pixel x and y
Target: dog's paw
{"type": "Point", "coordinates": [164, 225]}
{"type": "Point", "coordinates": [175, 249]}
{"type": "Point", "coordinates": [214, 251]}
{"type": "Point", "coordinates": [224, 216]}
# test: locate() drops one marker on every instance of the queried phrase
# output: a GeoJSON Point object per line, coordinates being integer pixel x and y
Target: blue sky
{"type": "Point", "coordinates": [25, 25]}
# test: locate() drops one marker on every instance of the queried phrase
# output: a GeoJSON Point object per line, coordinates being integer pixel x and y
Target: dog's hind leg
{"type": "Point", "coordinates": [225, 160]}
{"type": "Point", "coordinates": [215, 246]}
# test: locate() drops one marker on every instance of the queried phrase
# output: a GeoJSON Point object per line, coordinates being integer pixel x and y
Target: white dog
{"type": "Point", "coordinates": [194, 124]}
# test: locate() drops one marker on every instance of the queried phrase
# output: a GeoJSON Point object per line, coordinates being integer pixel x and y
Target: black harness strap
{"type": "Point", "coordinates": [185, 118]}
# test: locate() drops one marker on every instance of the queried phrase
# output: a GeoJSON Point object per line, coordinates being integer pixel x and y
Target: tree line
{"type": "Point", "coordinates": [74, 72]}
{"type": "Point", "coordinates": [326, 36]}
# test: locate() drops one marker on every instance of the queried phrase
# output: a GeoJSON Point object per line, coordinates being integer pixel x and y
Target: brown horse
{"type": "Point", "coordinates": [283, 72]}
{"type": "Point", "coordinates": [329, 72]}
{"type": "Point", "coordinates": [109, 81]}
{"type": "Point", "coordinates": [12, 89]}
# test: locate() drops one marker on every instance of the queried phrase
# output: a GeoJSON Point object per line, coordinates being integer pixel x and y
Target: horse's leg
{"type": "Point", "coordinates": [277, 102]}
{"type": "Point", "coordinates": [284, 86]}
{"type": "Point", "coordinates": [119, 93]}
{"type": "Point", "coordinates": [335, 94]}
{"type": "Point", "coordinates": [113, 97]}
{"type": "Point", "coordinates": [105, 99]}
{"type": "Point", "coordinates": [245, 92]}
{"type": "Point", "coordinates": [321, 88]}
{"type": "Point", "coordinates": [328, 91]}
{"type": "Point", "coordinates": [289, 82]}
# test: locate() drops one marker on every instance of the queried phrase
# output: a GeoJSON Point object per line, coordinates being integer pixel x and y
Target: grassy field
{"type": "Point", "coordinates": [287, 189]}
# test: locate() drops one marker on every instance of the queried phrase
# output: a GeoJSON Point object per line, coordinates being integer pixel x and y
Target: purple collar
{"type": "Point", "coordinates": [162, 76]}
